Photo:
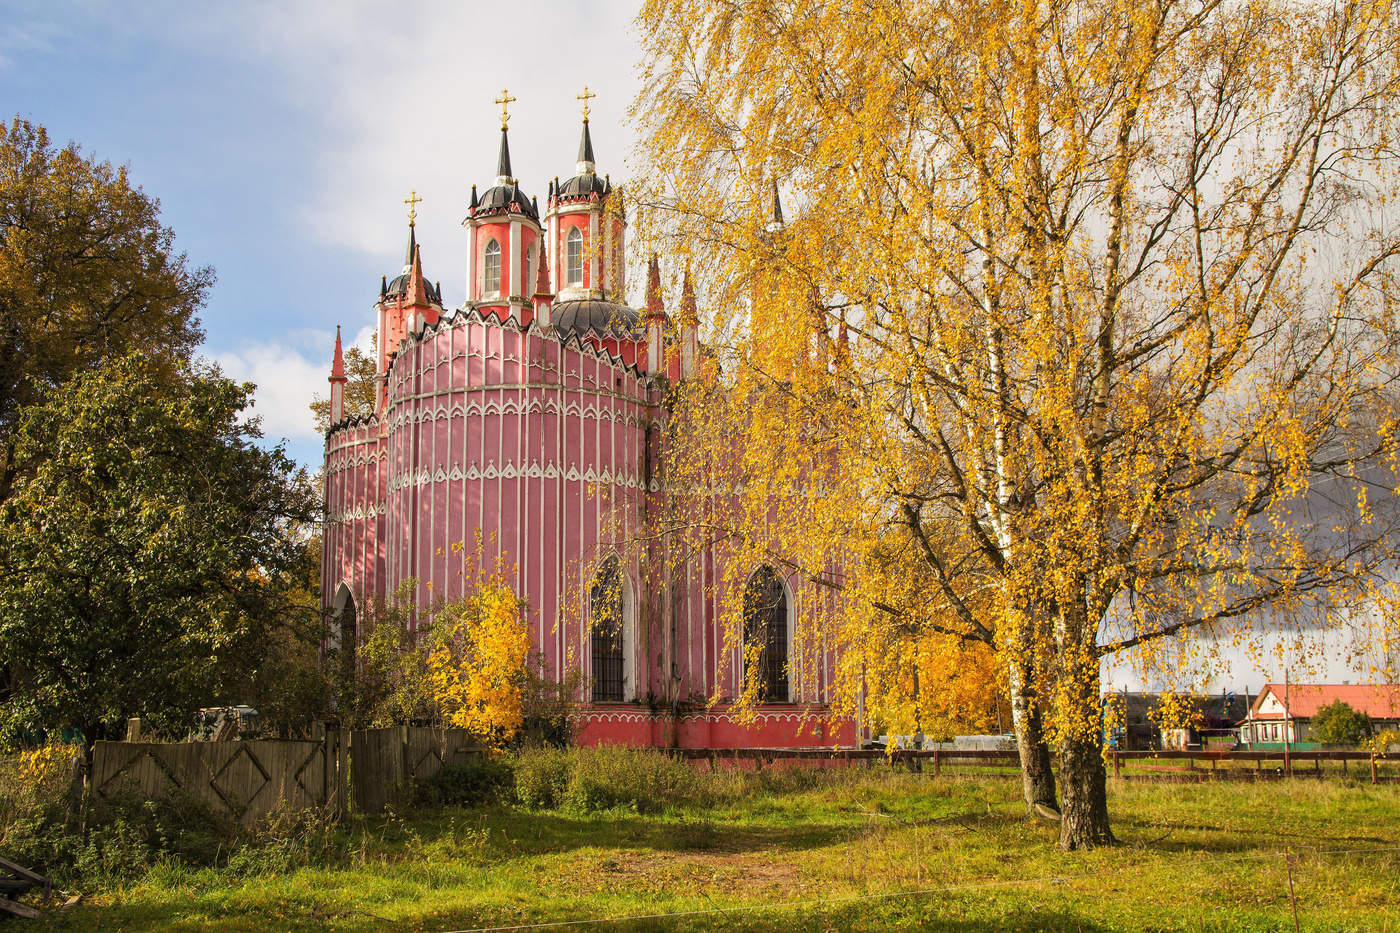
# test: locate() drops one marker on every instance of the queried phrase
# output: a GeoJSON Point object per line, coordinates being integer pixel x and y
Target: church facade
{"type": "Point", "coordinates": [522, 432]}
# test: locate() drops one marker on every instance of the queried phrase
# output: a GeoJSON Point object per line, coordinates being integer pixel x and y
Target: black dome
{"type": "Point", "coordinates": [501, 197]}
{"type": "Point", "coordinates": [582, 186]}
{"type": "Point", "coordinates": [398, 287]}
{"type": "Point", "coordinates": [592, 315]}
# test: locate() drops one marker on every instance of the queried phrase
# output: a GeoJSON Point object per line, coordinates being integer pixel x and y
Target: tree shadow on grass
{"type": "Point", "coordinates": [534, 833]}
{"type": "Point", "coordinates": [912, 912]}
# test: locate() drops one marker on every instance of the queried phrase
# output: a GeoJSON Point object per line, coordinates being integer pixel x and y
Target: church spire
{"type": "Point", "coordinates": [337, 380]}
{"type": "Point", "coordinates": [655, 309]}
{"type": "Point", "coordinates": [777, 222]}
{"type": "Point", "coordinates": [655, 319]}
{"type": "Point", "coordinates": [416, 290]}
{"type": "Point", "coordinates": [586, 162]}
{"type": "Point", "coordinates": [503, 176]}
{"type": "Point", "coordinates": [688, 314]}
{"type": "Point", "coordinates": [337, 360]}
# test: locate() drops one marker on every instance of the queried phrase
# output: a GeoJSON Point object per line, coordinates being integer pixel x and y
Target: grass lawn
{"type": "Point", "coordinates": [851, 850]}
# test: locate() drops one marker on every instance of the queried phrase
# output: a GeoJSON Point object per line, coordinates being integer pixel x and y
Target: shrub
{"type": "Point", "coordinates": [541, 776]}
{"type": "Point", "coordinates": [643, 780]}
{"type": "Point", "coordinates": [118, 836]}
{"type": "Point", "coordinates": [471, 785]}
{"type": "Point", "coordinates": [1339, 724]}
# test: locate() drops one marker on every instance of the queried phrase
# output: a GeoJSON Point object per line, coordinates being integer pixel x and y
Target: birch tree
{"type": "Point", "coordinates": [1079, 336]}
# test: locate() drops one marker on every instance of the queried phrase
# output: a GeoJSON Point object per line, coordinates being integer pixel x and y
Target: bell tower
{"type": "Point", "coordinates": [585, 228]}
{"type": "Point", "coordinates": [503, 240]}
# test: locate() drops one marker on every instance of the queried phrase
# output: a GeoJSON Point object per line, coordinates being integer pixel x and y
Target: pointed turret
{"type": "Point", "coordinates": [776, 224]}
{"type": "Point", "coordinates": [543, 299]}
{"type": "Point", "coordinates": [417, 293]}
{"type": "Point", "coordinates": [688, 328]}
{"type": "Point", "coordinates": [337, 380]}
{"type": "Point", "coordinates": [688, 314]}
{"type": "Point", "coordinates": [655, 318]}
{"type": "Point", "coordinates": [656, 310]}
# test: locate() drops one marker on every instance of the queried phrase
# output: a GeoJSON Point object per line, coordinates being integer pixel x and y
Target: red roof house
{"type": "Point", "coordinates": [1282, 711]}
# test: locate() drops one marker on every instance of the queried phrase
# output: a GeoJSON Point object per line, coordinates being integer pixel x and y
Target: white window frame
{"type": "Point", "coordinates": [573, 257]}
{"type": "Point", "coordinates": [491, 284]}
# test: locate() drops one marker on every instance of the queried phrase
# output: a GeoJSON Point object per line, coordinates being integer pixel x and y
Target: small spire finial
{"type": "Point", "coordinates": [505, 100]}
{"type": "Point", "coordinates": [586, 96]}
{"type": "Point", "coordinates": [413, 200]}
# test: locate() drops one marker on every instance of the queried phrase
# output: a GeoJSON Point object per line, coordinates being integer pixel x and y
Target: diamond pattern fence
{"type": "Point", "coordinates": [368, 768]}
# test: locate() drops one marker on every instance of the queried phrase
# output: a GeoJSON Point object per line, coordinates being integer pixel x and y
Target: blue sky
{"type": "Point", "coordinates": [281, 139]}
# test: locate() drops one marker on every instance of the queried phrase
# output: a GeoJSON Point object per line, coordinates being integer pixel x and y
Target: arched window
{"type": "Point", "coordinates": [606, 605]}
{"type": "Point", "coordinates": [573, 256]}
{"type": "Point", "coordinates": [344, 634]}
{"type": "Point", "coordinates": [491, 269]}
{"type": "Point", "coordinates": [766, 624]}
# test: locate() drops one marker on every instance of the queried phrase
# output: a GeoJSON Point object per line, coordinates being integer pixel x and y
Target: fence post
{"type": "Point", "coordinates": [937, 762]}
{"type": "Point", "coordinates": [1117, 764]}
{"type": "Point", "coordinates": [1373, 768]}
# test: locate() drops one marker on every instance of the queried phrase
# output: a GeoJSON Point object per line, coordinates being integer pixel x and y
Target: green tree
{"type": "Point", "coordinates": [146, 549]}
{"type": "Point", "coordinates": [1338, 724]}
{"type": "Point", "coordinates": [86, 272]}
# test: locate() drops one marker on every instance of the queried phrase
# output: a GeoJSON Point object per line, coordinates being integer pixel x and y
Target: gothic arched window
{"type": "Point", "coordinates": [345, 630]}
{"type": "Point", "coordinates": [491, 269]}
{"type": "Point", "coordinates": [766, 624]}
{"type": "Point", "coordinates": [573, 257]}
{"type": "Point", "coordinates": [606, 605]}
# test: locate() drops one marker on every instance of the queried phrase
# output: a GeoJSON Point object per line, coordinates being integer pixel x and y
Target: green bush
{"type": "Point", "coordinates": [586, 780]}
{"type": "Point", "coordinates": [471, 785]}
{"type": "Point", "coordinates": [117, 837]}
{"type": "Point", "coordinates": [1339, 724]}
{"type": "Point", "coordinates": [541, 776]}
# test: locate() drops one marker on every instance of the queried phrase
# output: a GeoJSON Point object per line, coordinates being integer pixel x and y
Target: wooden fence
{"type": "Point", "coordinates": [1196, 765]}
{"type": "Point", "coordinates": [246, 780]}
{"type": "Point", "coordinates": [369, 768]}
{"type": "Point", "coordinates": [384, 762]}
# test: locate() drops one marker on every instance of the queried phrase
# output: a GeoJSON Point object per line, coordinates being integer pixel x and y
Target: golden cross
{"type": "Point", "coordinates": [413, 200]}
{"type": "Point", "coordinates": [505, 100]}
{"type": "Point", "coordinates": [586, 96]}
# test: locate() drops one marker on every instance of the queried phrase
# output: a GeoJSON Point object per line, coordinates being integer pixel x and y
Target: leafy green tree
{"type": "Point", "coordinates": [86, 272]}
{"type": "Point", "coordinates": [146, 551]}
{"type": "Point", "coordinates": [1339, 724]}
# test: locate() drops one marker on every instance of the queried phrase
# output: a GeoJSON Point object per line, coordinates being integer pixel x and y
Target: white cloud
{"type": "Point", "coordinates": [285, 380]}
{"type": "Point", "coordinates": [401, 97]}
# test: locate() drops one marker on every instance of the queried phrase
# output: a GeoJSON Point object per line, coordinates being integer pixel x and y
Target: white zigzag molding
{"type": "Point", "coordinates": [529, 470]}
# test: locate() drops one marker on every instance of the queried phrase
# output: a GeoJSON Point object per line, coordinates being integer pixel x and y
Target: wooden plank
{"type": "Point", "coordinates": [15, 908]}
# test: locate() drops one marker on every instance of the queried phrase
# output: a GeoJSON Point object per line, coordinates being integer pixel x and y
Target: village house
{"type": "Point", "coordinates": [1284, 712]}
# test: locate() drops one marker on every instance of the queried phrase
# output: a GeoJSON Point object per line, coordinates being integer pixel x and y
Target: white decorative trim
{"type": "Point", "coordinates": [531, 470]}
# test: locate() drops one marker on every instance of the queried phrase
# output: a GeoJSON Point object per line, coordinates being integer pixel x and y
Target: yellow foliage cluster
{"type": "Point", "coordinates": [476, 662]}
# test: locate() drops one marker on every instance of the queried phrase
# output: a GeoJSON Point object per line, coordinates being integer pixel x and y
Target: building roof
{"type": "Point", "coordinates": [592, 315]}
{"type": "Point", "coordinates": [1379, 701]}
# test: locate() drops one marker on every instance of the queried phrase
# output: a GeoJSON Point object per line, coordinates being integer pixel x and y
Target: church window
{"type": "Point", "coordinates": [491, 280]}
{"type": "Point", "coordinates": [606, 606]}
{"type": "Point", "coordinates": [766, 624]}
{"type": "Point", "coordinates": [573, 253]}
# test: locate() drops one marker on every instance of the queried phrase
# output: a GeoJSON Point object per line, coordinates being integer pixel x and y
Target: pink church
{"type": "Point", "coordinates": [529, 420]}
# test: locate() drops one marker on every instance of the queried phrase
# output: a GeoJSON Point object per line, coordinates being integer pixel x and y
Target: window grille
{"type": "Point", "coordinates": [605, 607]}
{"type": "Point", "coordinates": [765, 623]}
